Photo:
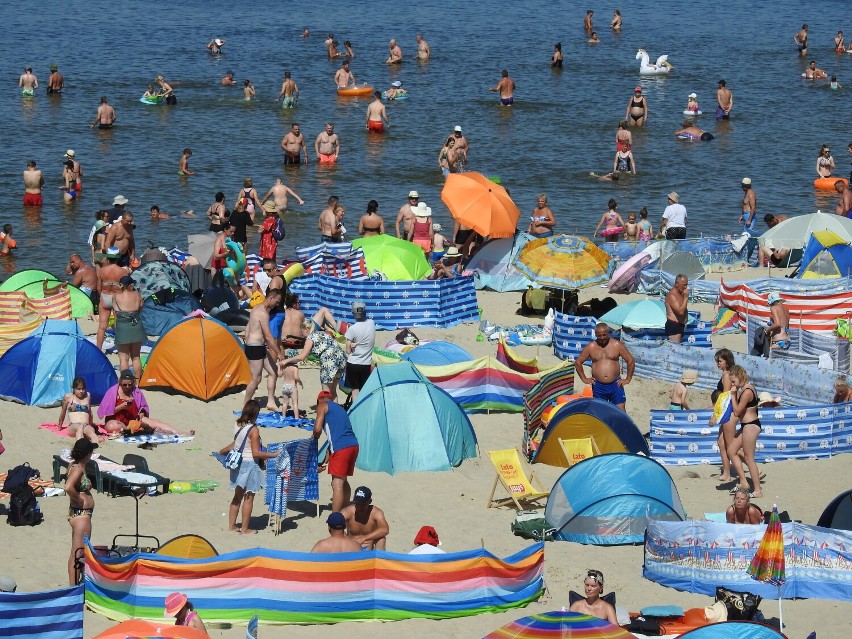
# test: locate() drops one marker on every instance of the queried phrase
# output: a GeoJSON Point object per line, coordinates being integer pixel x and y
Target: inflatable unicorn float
{"type": "Point", "coordinates": [661, 67]}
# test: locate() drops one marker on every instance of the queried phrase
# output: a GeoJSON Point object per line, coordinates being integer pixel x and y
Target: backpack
{"type": "Point", "coordinates": [19, 476]}
{"type": "Point", "coordinates": [279, 232]}
{"type": "Point", "coordinates": [23, 507]}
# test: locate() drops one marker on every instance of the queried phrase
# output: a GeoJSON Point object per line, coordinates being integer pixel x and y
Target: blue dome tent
{"type": "Point", "coordinates": [437, 353]}
{"type": "Point", "coordinates": [38, 370]}
{"type": "Point", "coordinates": [604, 500]}
{"type": "Point", "coordinates": [404, 423]}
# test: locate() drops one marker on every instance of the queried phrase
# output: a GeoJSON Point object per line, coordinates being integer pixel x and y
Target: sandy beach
{"type": "Point", "coordinates": [454, 502]}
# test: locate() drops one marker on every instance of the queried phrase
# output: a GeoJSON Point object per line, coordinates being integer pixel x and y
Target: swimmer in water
{"type": "Point", "coordinates": [149, 92]}
{"type": "Point", "coordinates": [395, 91]}
{"type": "Point", "coordinates": [834, 84]}
{"type": "Point", "coordinates": [394, 53]}
{"type": "Point", "coordinates": [692, 133]}
{"type": "Point", "coordinates": [637, 109]}
{"type": "Point", "coordinates": [612, 221]}
{"type": "Point", "coordinates": [594, 38]}
{"type": "Point", "coordinates": [813, 73]}
{"type": "Point", "coordinates": [825, 163]}
{"type": "Point", "coordinates": [801, 40]}
{"type": "Point", "coordinates": [349, 52]}
{"type": "Point", "coordinates": [70, 187]}
{"type": "Point", "coordinates": [506, 88]}
{"type": "Point", "coordinates": [215, 46]}
{"type": "Point", "coordinates": [692, 103]}
{"type": "Point", "coordinates": [556, 59]}
{"type": "Point", "coordinates": [838, 42]}
{"type": "Point", "coordinates": [423, 51]}
{"type": "Point", "coordinates": [606, 177]}
{"type": "Point", "coordinates": [183, 163]}
{"type": "Point", "coordinates": [248, 90]}
{"type": "Point", "coordinates": [228, 80]}
{"type": "Point", "coordinates": [615, 23]}
{"type": "Point", "coordinates": [624, 161]}
{"type": "Point", "coordinates": [156, 214]}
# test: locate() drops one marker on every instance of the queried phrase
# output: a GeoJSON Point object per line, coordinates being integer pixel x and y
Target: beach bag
{"type": "Point", "coordinates": [530, 524]}
{"type": "Point", "coordinates": [19, 476]}
{"type": "Point", "coordinates": [407, 337]}
{"type": "Point", "coordinates": [741, 605]}
{"type": "Point", "coordinates": [23, 507]}
{"type": "Point", "coordinates": [235, 457]}
{"type": "Point", "coordinates": [279, 232]}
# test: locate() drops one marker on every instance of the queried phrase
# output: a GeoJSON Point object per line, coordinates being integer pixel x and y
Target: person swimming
{"type": "Point", "coordinates": [693, 133]}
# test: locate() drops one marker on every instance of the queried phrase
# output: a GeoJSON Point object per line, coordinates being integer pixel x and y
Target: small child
{"type": "Point", "coordinates": [77, 405]}
{"type": "Point", "coordinates": [692, 103]}
{"type": "Point", "coordinates": [157, 215]}
{"type": "Point", "coordinates": [439, 243]}
{"type": "Point", "coordinates": [677, 395]}
{"type": "Point", "coordinates": [631, 229]}
{"type": "Point", "coordinates": [8, 243]}
{"type": "Point", "coordinates": [149, 92]}
{"type": "Point", "coordinates": [248, 90]}
{"type": "Point", "coordinates": [290, 390]}
{"type": "Point", "coordinates": [646, 231]}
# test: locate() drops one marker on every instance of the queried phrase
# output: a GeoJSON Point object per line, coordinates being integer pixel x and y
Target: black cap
{"type": "Point", "coordinates": [126, 280]}
{"type": "Point", "coordinates": [363, 495]}
{"type": "Point", "coordinates": [82, 447]}
{"type": "Point", "coordinates": [127, 373]}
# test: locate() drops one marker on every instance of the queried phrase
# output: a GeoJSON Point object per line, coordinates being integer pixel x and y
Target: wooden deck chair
{"type": "Point", "coordinates": [576, 450]}
{"type": "Point", "coordinates": [513, 477]}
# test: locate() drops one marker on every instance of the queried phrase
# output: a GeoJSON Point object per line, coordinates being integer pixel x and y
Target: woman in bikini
{"type": "Point", "coordinates": [78, 407]}
{"type": "Point", "coordinates": [744, 404]}
{"type": "Point", "coordinates": [81, 504]}
{"type": "Point", "coordinates": [614, 224]}
{"type": "Point", "coordinates": [371, 223]}
{"type": "Point", "coordinates": [637, 109]}
{"type": "Point", "coordinates": [724, 359]}
{"type": "Point", "coordinates": [218, 213]}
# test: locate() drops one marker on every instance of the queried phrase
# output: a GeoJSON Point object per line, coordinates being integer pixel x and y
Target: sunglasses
{"type": "Point", "coordinates": [268, 270]}
{"type": "Point", "coordinates": [594, 574]}
{"type": "Point", "coordinates": [126, 384]}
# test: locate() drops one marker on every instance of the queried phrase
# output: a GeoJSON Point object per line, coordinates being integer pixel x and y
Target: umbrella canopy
{"type": "Point", "coordinates": [566, 261]}
{"type": "Point", "coordinates": [624, 278]}
{"type": "Point", "coordinates": [767, 565]}
{"type": "Point", "coordinates": [685, 263]}
{"type": "Point", "coordinates": [141, 629]}
{"type": "Point", "coordinates": [794, 232]}
{"type": "Point", "coordinates": [638, 314]}
{"type": "Point", "coordinates": [550, 625]}
{"type": "Point", "coordinates": [201, 247]}
{"type": "Point", "coordinates": [393, 257]}
{"type": "Point", "coordinates": [480, 204]}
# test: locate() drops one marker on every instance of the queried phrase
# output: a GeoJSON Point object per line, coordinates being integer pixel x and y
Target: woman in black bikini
{"type": "Point", "coordinates": [371, 223]}
{"type": "Point", "coordinates": [637, 109]}
{"type": "Point", "coordinates": [744, 403]}
{"type": "Point", "coordinates": [81, 504]}
{"type": "Point", "coordinates": [724, 361]}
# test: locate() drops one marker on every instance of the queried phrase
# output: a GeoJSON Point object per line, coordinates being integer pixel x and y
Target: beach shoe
{"type": "Point", "coordinates": [290, 413]}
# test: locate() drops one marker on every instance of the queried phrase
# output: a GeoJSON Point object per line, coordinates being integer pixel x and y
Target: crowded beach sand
{"type": "Point", "coordinates": [454, 502]}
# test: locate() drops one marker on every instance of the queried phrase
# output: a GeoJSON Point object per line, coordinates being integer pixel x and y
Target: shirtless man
{"type": "Point", "coordinates": [542, 220]}
{"type": "Point", "coordinates": [279, 193]}
{"type": "Point", "coordinates": [423, 50]}
{"type": "Point", "coordinates": [78, 170]}
{"type": "Point", "coordinates": [844, 205]}
{"type": "Point", "coordinates": [105, 117]}
{"type": "Point", "coordinates": [406, 215]}
{"type": "Point", "coordinates": [327, 223]}
{"type": "Point", "coordinates": [337, 541]}
{"type": "Point", "coordinates": [33, 183]}
{"type": "Point", "coordinates": [587, 22]}
{"type": "Point", "coordinates": [801, 40]}
{"type": "Point", "coordinates": [462, 149]}
{"type": "Point", "coordinates": [293, 144]}
{"type": "Point", "coordinates": [593, 604]}
{"type": "Point", "coordinates": [506, 88]}
{"type": "Point", "coordinates": [55, 83]}
{"type": "Point", "coordinates": [262, 348]}
{"type": "Point", "coordinates": [228, 80]}
{"type": "Point", "coordinates": [749, 216]}
{"type": "Point", "coordinates": [394, 53]}
{"type": "Point", "coordinates": [725, 100]}
{"type": "Point", "coordinates": [344, 77]}
{"type": "Point", "coordinates": [813, 73]}
{"type": "Point", "coordinates": [109, 276]}
{"type": "Point", "coordinates": [85, 276]}
{"type": "Point", "coordinates": [327, 145]}
{"type": "Point", "coordinates": [28, 82]}
{"type": "Point", "coordinates": [366, 523]}
{"type": "Point", "coordinates": [779, 321]}
{"type": "Point", "coordinates": [376, 114]}
{"type": "Point", "coordinates": [676, 309]}
{"type": "Point", "coordinates": [183, 163]}
{"type": "Point", "coordinates": [605, 354]}
{"type": "Point", "coordinates": [120, 235]}
{"type": "Point", "coordinates": [289, 91]}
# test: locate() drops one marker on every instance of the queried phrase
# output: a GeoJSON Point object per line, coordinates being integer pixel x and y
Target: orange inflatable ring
{"type": "Point", "coordinates": [355, 91]}
{"type": "Point", "coordinates": [827, 184]}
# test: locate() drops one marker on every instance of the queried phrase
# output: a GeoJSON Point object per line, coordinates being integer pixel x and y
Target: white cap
{"type": "Point", "coordinates": [458, 128]}
{"type": "Point", "coordinates": [396, 84]}
{"type": "Point", "coordinates": [413, 194]}
{"type": "Point", "coordinates": [693, 95]}
{"type": "Point", "coordinates": [69, 153]}
{"type": "Point", "coordinates": [119, 200]}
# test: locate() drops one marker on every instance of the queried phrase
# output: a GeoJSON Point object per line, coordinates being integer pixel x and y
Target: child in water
{"type": "Point", "coordinates": [439, 243]}
{"type": "Point", "coordinates": [149, 92]}
{"type": "Point", "coordinates": [7, 242]}
{"type": "Point", "coordinates": [692, 103]}
{"type": "Point", "coordinates": [646, 231]}
{"type": "Point", "coordinates": [248, 91]}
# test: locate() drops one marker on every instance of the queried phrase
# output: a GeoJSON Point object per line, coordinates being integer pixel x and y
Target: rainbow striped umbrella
{"type": "Point", "coordinates": [549, 625]}
{"type": "Point", "coordinates": [767, 565]}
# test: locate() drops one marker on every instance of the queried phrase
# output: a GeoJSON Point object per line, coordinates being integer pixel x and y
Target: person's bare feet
{"type": "Point", "coordinates": [192, 432]}
{"type": "Point", "coordinates": [723, 479]}
{"type": "Point", "coordinates": [272, 408]}
{"type": "Point", "coordinates": [248, 532]}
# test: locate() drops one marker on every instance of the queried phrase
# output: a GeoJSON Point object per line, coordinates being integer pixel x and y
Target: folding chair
{"type": "Point", "coordinates": [513, 477]}
{"type": "Point", "coordinates": [576, 450]}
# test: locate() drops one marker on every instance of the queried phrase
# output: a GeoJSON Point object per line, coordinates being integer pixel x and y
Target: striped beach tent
{"type": "Point", "coordinates": [48, 614]}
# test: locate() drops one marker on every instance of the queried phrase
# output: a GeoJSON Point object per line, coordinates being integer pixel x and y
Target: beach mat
{"type": "Point", "coordinates": [156, 438]}
{"type": "Point", "coordinates": [62, 431]}
{"type": "Point", "coordinates": [271, 419]}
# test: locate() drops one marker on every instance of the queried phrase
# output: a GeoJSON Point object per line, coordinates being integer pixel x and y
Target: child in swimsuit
{"type": "Point", "coordinates": [692, 103]}
{"type": "Point", "coordinates": [612, 220]}
{"type": "Point", "coordinates": [677, 395]}
{"type": "Point", "coordinates": [646, 231]}
{"type": "Point", "coordinates": [76, 405]}
{"type": "Point", "coordinates": [439, 243]}
{"type": "Point", "coordinates": [290, 391]}
{"type": "Point", "coordinates": [631, 229]}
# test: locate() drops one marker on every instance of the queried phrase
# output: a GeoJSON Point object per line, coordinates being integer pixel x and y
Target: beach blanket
{"type": "Point", "coordinates": [273, 419]}
{"type": "Point", "coordinates": [46, 614]}
{"type": "Point", "coordinates": [62, 431]}
{"type": "Point", "coordinates": [156, 438]}
{"type": "Point", "coordinates": [292, 476]}
{"type": "Point", "coordinates": [34, 483]}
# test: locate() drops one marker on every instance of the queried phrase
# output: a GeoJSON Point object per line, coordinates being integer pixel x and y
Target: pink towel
{"type": "Point", "coordinates": [62, 431]}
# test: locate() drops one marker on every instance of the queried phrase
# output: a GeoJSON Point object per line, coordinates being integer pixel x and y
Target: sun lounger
{"type": "Point", "coordinates": [110, 477]}
{"type": "Point", "coordinates": [512, 476]}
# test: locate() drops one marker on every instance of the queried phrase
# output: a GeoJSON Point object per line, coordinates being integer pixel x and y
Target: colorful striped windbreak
{"type": "Point", "coordinates": [290, 587]}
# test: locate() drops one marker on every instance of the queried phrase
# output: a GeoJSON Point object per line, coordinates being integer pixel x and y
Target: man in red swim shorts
{"type": "Point", "coordinates": [375, 114]}
{"type": "Point", "coordinates": [343, 446]}
{"type": "Point", "coordinates": [33, 182]}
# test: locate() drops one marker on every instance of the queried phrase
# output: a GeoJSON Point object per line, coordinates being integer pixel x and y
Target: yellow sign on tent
{"type": "Point", "coordinates": [576, 450]}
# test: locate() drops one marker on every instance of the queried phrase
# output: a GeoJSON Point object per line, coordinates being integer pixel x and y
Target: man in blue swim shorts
{"type": "Point", "coordinates": [506, 88]}
{"type": "Point", "coordinates": [605, 354]}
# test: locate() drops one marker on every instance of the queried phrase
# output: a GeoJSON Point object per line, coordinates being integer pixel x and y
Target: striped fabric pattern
{"type": "Point", "coordinates": [48, 614]}
{"type": "Point", "coordinates": [289, 587]}
{"type": "Point", "coordinates": [337, 248]}
{"type": "Point", "coordinates": [551, 385]}
{"type": "Point", "coordinates": [11, 305]}
{"type": "Point", "coordinates": [350, 265]}
{"type": "Point", "coordinates": [56, 306]}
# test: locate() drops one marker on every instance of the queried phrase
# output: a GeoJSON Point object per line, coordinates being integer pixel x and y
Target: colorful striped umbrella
{"type": "Point", "coordinates": [767, 565]}
{"type": "Point", "coordinates": [549, 625]}
{"type": "Point", "coordinates": [566, 261]}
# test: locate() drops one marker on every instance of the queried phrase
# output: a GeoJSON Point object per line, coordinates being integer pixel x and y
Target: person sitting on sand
{"type": "Point", "coordinates": [179, 607]}
{"type": "Point", "coordinates": [337, 540]}
{"type": "Point", "coordinates": [77, 405]}
{"type": "Point", "coordinates": [448, 266]}
{"type": "Point", "coordinates": [365, 523]}
{"type": "Point", "coordinates": [742, 511]}
{"type": "Point", "coordinates": [592, 604]}
{"type": "Point", "coordinates": [677, 395]}
{"type": "Point", "coordinates": [693, 133]}
{"type": "Point", "coordinates": [124, 408]}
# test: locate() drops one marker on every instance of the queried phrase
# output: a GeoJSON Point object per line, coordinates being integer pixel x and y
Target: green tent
{"type": "Point", "coordinates": [31, 282]}
{"type": "Point", "coordinates": [396, 259]}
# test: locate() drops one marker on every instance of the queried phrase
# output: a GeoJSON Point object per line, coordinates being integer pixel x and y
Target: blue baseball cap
{"type": "Point", "coordinates": [336, 521]}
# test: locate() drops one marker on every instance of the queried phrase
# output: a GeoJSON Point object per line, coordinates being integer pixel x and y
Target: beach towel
{"type": "Point", "coordinates": [274, 419]}
{"type": "Point", "coordinates": [727, 321]}
{"type": "Point", "coordinates": [62, 431]}
{"type": "Point", "coordinates": [104, 465]}
{"type": "Point", "coordinates": [292, 476]}
{"type": "Point", "coordinates": [156, 438]}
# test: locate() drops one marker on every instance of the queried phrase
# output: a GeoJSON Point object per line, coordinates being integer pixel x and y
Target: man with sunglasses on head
{"type": "Point", "coordinates": [592, 604]}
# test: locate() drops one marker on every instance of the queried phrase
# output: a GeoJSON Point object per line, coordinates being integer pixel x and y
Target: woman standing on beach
{"type": "Point", "coordinates": [744, 404]}
{"type": "Point", "coordinates": [81, 504]}
{"type": "Point", "coordinates": [724, 362]}
{"type": "Point", "coordinates": [247, 478]}
{"type": "Point", "coordinates": [331, 357]}
{"type": "Point", "coordinates": [129, 333]}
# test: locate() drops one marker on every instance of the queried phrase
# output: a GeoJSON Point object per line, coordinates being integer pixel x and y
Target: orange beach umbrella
{"type": "Point", "coordinates": [480, 204]}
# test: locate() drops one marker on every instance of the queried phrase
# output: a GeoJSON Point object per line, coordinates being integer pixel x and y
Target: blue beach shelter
{"type": "Point", "coordinates": [826, 255]}
{"type": "Point", "coordinates": [604, 500]}
{"type": "Point", "coordinates": [38, 370]}
{"type": "Point", "coordinates": [437, 353]}
{"type": "Point", "coordinates": [493, 266]}
{"type": "Point", "coordinates": [404, 423]}
{"type": "Point", "coordinates": [733, 630]}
